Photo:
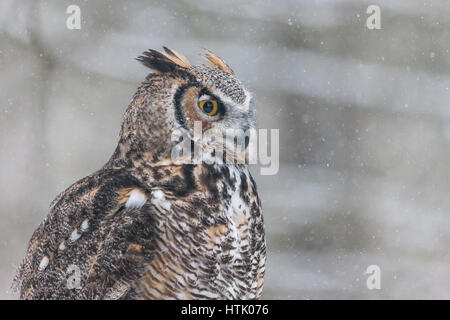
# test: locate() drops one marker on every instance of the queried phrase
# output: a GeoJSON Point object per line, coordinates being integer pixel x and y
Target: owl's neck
{"type": "Point", "coordinates": [136, 151]}
{"type": "Point", "coordinates": [179, 178]}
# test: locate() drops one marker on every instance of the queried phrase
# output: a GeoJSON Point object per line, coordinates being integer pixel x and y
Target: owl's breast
{"type": "Point", "coordinates": [210, 242]}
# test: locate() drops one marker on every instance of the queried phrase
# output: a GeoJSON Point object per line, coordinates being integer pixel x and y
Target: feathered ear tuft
{"type": "Point", "coordinates": [215, 61]}
{"type": "Point", "coordinates": [177, 58]}
{"type": "Point", "coordinates": [167, 61]}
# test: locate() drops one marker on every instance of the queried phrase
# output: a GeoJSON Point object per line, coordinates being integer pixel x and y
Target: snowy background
{"type": "Point", "coordinates": [364, 119]}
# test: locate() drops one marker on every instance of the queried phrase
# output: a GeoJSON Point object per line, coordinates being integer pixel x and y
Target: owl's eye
{"type": "Point", "coordinates": [210, 106]}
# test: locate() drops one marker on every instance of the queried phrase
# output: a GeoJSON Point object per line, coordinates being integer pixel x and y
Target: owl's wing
{"type": "Point", "coordinates": [127, 247]}
{"type": "Point", "coordinates": [91, 245]}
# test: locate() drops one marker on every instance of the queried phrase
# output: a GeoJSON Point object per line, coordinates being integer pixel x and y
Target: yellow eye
{"type": "Point", "coordinates": [210, 106]}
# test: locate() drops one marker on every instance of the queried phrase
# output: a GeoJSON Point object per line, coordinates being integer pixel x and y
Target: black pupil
{"type": "Point", "coordinates": [208, 107]}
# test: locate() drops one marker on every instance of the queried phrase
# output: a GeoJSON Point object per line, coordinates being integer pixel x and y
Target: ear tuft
{"type": "Point", "coordinates": [167, 61]}
{"type": "Point", "coordinates": [215, 61]}
{"type": "Point", "coordinates": [177, 58]}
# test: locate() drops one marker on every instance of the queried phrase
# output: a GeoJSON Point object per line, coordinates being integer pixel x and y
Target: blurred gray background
{"type": "Point", "coordinates": [364, 119]}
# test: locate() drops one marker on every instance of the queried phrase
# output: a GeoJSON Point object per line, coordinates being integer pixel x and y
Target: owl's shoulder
{"type": "Point", "coordinates": [76, 225]}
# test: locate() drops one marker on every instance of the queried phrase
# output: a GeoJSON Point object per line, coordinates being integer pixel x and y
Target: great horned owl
{"type": "Point", "coordinates": [145, 227]}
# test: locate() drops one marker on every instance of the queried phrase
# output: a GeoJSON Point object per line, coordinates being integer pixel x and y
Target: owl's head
{"type": "Point", "coordinates": [178, 97]}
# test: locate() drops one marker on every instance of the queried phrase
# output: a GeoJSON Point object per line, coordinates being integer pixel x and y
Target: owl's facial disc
{"type": "Point", "coordinates": [210, 107]}
{"type": "Point", "coordinates": [213, 121]}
